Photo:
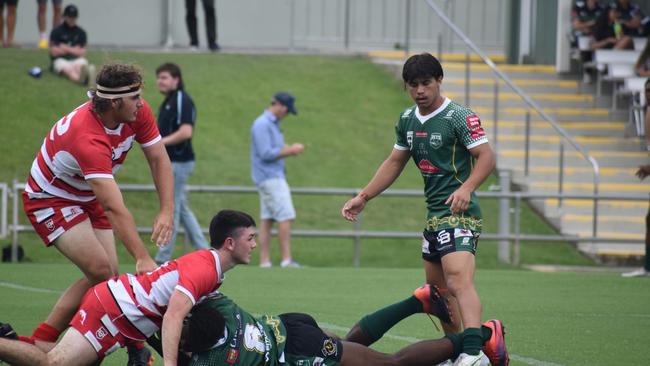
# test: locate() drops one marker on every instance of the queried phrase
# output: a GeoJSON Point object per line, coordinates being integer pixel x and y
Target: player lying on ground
{"type": "Point", "coordinates": [130, 308]}
{"type": "Point", "coordinates": [219, 332]}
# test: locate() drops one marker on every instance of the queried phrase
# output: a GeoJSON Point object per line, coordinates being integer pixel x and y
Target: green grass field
{"type": "Point", "coordinates": [347, 107]}
{"type": "Point", "coordinates": [551, 319]}
{"type": "Point", "coordinates": [347, 110]}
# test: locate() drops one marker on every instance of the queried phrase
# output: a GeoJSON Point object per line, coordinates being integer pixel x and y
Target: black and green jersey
{"type": "Point", "coordinates": [439, 144]}
{"type": "Point", "coordinates": [247, 340]}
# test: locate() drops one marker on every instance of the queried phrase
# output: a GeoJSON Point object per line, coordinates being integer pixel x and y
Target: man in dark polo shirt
{"type": "Point", "coordinates": [176, 118]}
{"type": "Point", "coordinates": [68, 49]}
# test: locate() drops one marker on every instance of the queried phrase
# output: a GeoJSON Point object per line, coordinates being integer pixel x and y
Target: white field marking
{"type": "Point", "coordinates": [27, 288]}
{"type": "Point", "coordinates": [526, 360]}
{"type": "Point", "coordinates": [532, 361]}
{"type": "Point", "coordinates": [617, 315]}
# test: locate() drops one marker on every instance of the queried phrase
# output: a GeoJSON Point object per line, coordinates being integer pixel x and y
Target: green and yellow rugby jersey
{"type": "Point", "coordinates": [247, 340]}
{"type": "Point", "coordinates": [439, 144]}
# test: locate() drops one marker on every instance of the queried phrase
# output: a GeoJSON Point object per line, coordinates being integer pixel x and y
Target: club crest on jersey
{"type": "Point", "coordinates": [436, 140]}
{"type": "Point", "coordinates": [49, 224]}
{"type": "Point", "coordinates": [329, 347]}
{"type": "Point", "coordinates": [101, 333]}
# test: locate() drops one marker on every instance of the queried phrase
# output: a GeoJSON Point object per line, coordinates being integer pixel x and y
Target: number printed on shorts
{"type": "Point", "coordinates": [443, 237]}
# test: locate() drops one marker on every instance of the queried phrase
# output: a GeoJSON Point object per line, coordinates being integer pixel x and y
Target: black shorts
{"type": "Point", "coordinates": [307, 342]}
{"type": "Point", "coordinates": [437, 244]}
{"type": "Point", "coordinates": [8, 2]}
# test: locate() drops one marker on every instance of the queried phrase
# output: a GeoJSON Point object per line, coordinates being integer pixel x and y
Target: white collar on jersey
{"type": "Point", "coordinates": [423, 119]}
{"type": "Point", "coordinates": [117, 131]}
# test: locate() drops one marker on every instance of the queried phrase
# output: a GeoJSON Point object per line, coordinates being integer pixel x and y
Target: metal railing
{"type": "Point", "coordinates": [505, 216]}
{"type": "Point", "coordinates": [532, 104]}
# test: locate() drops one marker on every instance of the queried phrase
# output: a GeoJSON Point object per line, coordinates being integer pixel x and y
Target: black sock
{"type": "Point", "coordinates": [472, 341]}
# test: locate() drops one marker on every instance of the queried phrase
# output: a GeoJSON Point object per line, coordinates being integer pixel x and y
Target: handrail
{"type": "Point", "coordinates": [531, 103]}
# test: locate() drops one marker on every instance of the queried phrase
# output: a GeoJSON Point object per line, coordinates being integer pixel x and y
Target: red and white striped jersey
{"type": "Point", "coordinates": [79, 148]}
{"type": "Point", "coordinates": [136, 304]}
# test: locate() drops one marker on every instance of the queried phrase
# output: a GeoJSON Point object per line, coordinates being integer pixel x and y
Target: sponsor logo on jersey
{"type": "Point", "coordinates": [71, 212]}
{"type": "Point", "coordinates": [406, 113]}
{"type": "Point", "coordinates": [82, 314]}
{"type": "Point", "coordinates": [459, 233]}
{"type": "Point", "coordinates": [474, 124]}
{"type": "Point", "coordinates": [101, 333]}
{"type": "Point", "coordinates": [448, 115]}
{"type": "Point", "coordinates": [427, 168]}
{"type": "Point", "coordinates": [436, 140]}
{"type": "Point", "coordinates": [421, 134]}
{"type": "Point", "coordinates": [233, 354]}
{"type": "Point", "coordinates": [49, 224]}
{"type": "Point", "coordinates": [409, 138]}
{"type": "Point", "coordinates": [329, 347]}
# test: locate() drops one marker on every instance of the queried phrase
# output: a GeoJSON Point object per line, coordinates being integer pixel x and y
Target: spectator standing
{"type": "Point", "coordinates": [176, 119]}
{"type": "Point", "coordinates": [40, 20]}
{"type": "Point", "coordinates": [210, 23]}
{"type": "Point", "coordinates": [268, 151]}
{"type": "Point", "coordinates": [11, 21]}
{"type": "Point", "coordinates": [643, 172]}
{"type": "Point", "coordinates": [68, 49]}
{"type": "Point", "coordinates": [11, 6]}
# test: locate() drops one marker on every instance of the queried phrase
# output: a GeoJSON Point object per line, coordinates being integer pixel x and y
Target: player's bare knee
{"type": "Point", "coordinates": [100, 272]}
{"type": "Point", "coordinates": [456, 283]}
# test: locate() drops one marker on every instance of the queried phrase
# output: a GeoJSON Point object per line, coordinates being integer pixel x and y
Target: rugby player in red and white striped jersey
{"type": "Point", "coordinates": [72, 199]}
{"type": "Point", "coordinates": [131, 308]}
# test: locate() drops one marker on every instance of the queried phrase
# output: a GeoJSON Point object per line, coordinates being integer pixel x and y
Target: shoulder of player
{"type": "Point", "coordinates": [408, 112]}
{"type": "Point", "coordinates": [460, 112]}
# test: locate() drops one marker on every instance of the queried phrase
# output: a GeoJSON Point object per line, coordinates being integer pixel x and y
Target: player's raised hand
{"type": "Point", "coordinates": [459, 200]}
{"type": "Point", "coordinates": [162, 229]}
{"type": "Point", "coordinates": [353, 208]}
{"type": "Point", "coordinates": [145, 265]}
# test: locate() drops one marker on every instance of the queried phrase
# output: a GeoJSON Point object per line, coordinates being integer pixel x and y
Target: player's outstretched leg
{"type": "Point", "coordinates": [425, 353]}
{"type": "Point", "coordinates": [73, 350]}
{"type": "Point", "coordinates": [373, 326]}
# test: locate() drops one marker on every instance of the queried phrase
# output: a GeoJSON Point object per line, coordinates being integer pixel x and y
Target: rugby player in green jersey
{"type": "Point", "coordinates": [219, 332]}
{"type": "Point", "coordinates": [449, 147]}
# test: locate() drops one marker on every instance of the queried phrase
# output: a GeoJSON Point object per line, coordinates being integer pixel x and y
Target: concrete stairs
{"type": "Point", "coordinates": [602, 132]}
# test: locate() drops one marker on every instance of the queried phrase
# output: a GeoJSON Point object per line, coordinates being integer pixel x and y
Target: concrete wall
{"type": "Point", "coordinates": [283, 24]}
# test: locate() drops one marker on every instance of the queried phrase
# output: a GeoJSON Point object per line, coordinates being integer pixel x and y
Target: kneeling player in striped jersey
{"type": "Point", "coordinates": [130, 308]}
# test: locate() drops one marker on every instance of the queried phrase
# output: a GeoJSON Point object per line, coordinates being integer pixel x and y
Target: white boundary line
{"type": "Point", "coordinates": [526, 360]}
{"type": "Point", "coordinates": [27, 288]}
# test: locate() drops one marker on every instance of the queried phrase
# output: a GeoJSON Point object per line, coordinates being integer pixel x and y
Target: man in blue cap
{"type": "Point", "coordinates": [268, 151]}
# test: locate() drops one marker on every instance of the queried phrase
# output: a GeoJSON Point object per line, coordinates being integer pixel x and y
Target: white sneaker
{"type": "Point", "coordinates": [637, 273]}
{"type": "Point", "coordinates": [266, 265]}
{"type": "Point", "coordinates": [290, 264]}
{"type": "Point", "coordinates": [472, 360]}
